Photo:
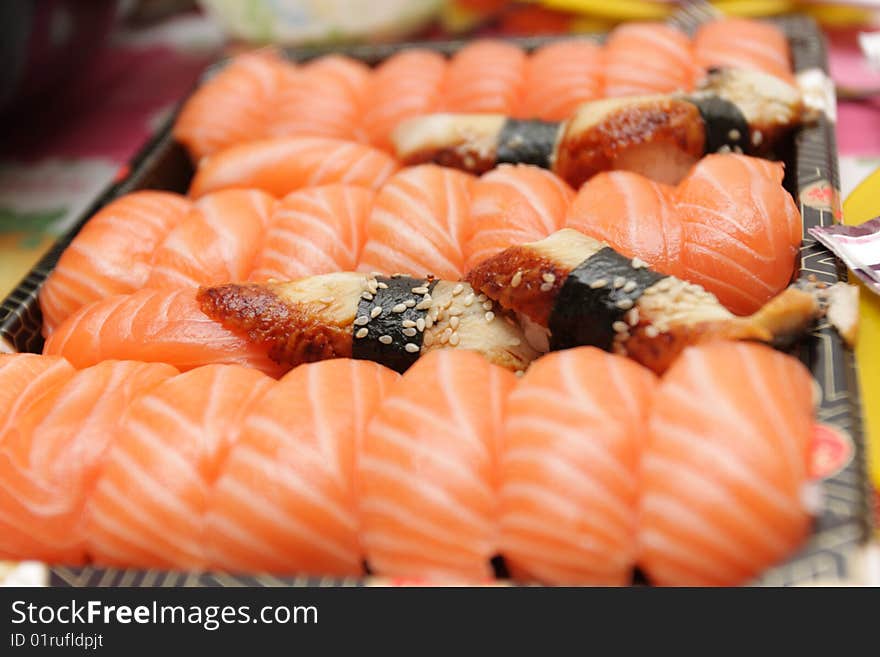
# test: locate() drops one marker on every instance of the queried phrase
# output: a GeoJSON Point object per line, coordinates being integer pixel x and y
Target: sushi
{"type": "Point", "coordinates": [724, 472]}
{"type": "Point", "coordinates": [647, 58]}
{"type": "Point", "coordinates": [390, 320]}
{"type": "Point", "coordinates": [427, 492]}
{"type": "Point", "coordinates": [217, 242]}
{"type": "Point", "coordinates": [112, 254]}
{"type": "Point", "coordinates": [316, 230]}
{"type": "Point", "coordinates": [729, 226]}
{"type": "Point", "coordinates": [301, 440]}
{"type": "Point", "coordinates": [283, 165]}
{"type": "Point", "coordinates": [574, 291]}
{"type": "Point", "coordinates": [51, 454]}
{"type": "Point", "coordinates": [418, 223]}
{"type": "Point", "coordinates": [513, 204]}
{"type": "Point", "coordinates": [161, 326]}
{"type": "Point", "coordinates": [743, 43]}
{"type": "Point", "coordinates": [484, 76]}
{"type": "Point", "coordinates": [569, 468]}
{"type": "Point", "coordinates": [561, 76]}
{"type": "Point", "coordinates": [148, 502]}
{"type": "Point", "coordinates": [658, 136]}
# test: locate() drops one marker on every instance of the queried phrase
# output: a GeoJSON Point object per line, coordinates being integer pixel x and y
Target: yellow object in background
{"type": "Point", "coordinates": [861, 205]}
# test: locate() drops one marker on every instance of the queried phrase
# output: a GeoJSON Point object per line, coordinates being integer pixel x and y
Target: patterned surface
{"type": "Point", "coordinates": [812, 173]}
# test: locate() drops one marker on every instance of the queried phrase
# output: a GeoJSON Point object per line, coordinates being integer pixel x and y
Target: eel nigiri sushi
{"type": "Point", "coordinates": [659, 136]}
{"type": "Point", "coordinates": [578, 291]}
{"type": "Point", "coordinates": [724, 472]}
{"type": "Point", "coordinates": [390, 320]}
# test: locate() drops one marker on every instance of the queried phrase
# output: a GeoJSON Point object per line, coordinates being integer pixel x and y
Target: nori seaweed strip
{"type": "Point", "coordinates": [583, 315]}
{"type": "Point", "coordinates": [526, 142]}
{"type": "Point", "coordinates": [390, 323]}
{"type": "Point", "coordinates": [721, 118]}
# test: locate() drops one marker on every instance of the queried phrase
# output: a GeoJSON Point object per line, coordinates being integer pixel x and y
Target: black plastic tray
{"type": "Point", "coordinates": [811, 177]}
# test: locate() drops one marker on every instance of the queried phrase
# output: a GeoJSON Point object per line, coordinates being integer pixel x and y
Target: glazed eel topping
{"type": "Point", "coordinates": [388, 319]}
{"type": "Point", "coordinates": [658, 136]}
{"type": "Point", "coordinates": [572, 290]}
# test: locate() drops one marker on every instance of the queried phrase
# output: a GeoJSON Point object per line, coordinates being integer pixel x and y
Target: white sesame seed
{"type": "Point", "coordinates": [549, 278]}
{"type": "Point", "coordinates": [517, 279]}
{"type": "Point", "coordinates": [373, 286]}
{"type": "Point", "coordinates": [519, 373]}
{"type": "Point", "coordinates": [630, 286]}
{"type": "Point", "coordinates": [326, 300]}
{"type": "Point", "coordinates": [624, 304]}
{"type": "Point", "coordinates": [429, 321]}
{"type": "Point", "coordinates": [423, 305]}
{"type": "Point", "coordinates": [490, 316]}
{"type": "Point", "coordinates": [444, 337]}
{"type": "Point", "coordinates": [420, 290]}
{"type": "Point", "coordinates": [724, 148]}
{"type": "Point", "coordinates": [382, 286]}
{"type": "Point", "coordinates": [454, 339]}
{"type": "Point", "coordinates": [427, 297]}
{"type": "Point", "coordinates": [361, 333]}
{"type": "Point", "coordinates": [454, 322]}
{"type": "Point", "coordinates": [367, 296]}
{"type": "Point", "coordinates": [408, 323]}
{"type": "Point", "coordinates": [738, 150]}
{"type": "Point", "coordinates": [362, 320]}
{"type": "Point", "coordinates": [420, 324]}
{"type": "Point", "coordinates": [638, 263]}
{"type": "Point", "coordinates": [428, 339]}
{"type": "Point", "coordinates": [481, 298]}
{"type": "Point", "coordinates": [411, 348]}
{"type": "Point", "coordinates": [375, 312]}
{"type": "Point", "coordinates": [409, 332]}
{"type": "Point", "coordinates": [620, 327]}
{"type": "Point", "coordinates": [376, 274]}
{"type": "Point", "coordinates": [734, 134]}
{"type": "Point", "coordinates": [409, 303]}
{"type": "Point", "coordinates": [757, 137]}
{"type": "Point", "coordinates": [487, 305]}
{"type": "Point", "coordinates": [385, 339]}
{"type": "Point", "coordinates": [632, 317]}
{"type": "Point", "coordinates": [546, 287]}
{"type": "Point", "coordinates": [469, 299]}
{"type": "Point", "coordinates": [398, 308]}
{"type": "Point", "coordinates": [599, 282]}
{"type": "Point", "coordinates": [458, 289]}
{"type": "Point", "coordinates": [651, 331]}
{"type": "Point", "coordinates": [455, 312]}
{"type": "Point", "coordinates": [619, 281]}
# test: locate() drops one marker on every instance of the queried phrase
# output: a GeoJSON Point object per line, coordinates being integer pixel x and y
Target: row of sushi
{"type": "Point", "coordinates": [739, 242]}
{"type": "Point", "coordinates": [262, 95]}
{"type": "Point", "coordinates": [584, 468]}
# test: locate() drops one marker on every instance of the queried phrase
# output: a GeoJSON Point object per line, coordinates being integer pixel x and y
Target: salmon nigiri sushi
{"type": "Point", "coordinates": [24, 378]}
{"type": "Point", "coordinates": [163, 326]}
{"type": "Point", "coordinates": [743, 43]}
{"type": "Point", "coordinates": [418, 223]}
{"type": "Point", "coordinates": [725, 467]}
{"type": "Point", "coordinates": [740, 230]}
{"type": "Point", "coordinates": [111, 254]}
{"type": "Point", "coordinates": [51, 455]}
{"type": "Point", "coordinates": [284, 498]}
{"type": "Point", "coordinates": [428, 472]}
{"type": "Point", "coordinates": [217, 242]}
{"type": "Point", "coordinates": [280, 166]}
{"type": "Point", "coordinates": [405, 85]}
{"type": "Point", "coordinates": [569, 469]}
{"type": "Point", "coordinates": [234, 106]}
{"type": "Point", "coordinates": [513, 204]}
{"type": "Point", "coordinates": [147, 508]}
{"type": "Point", "coordinates": [560, 77]}
{"type": "Point", "coordinates": [316, 230]}
{"type": "Point", "coordinates": [647, 58]}
{"type": "Point", "coordinates": [485, 76]}
{"type": "Point", "coordinates": [324, 98]}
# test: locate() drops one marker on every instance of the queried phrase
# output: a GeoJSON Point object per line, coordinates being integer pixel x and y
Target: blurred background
{"type": "Point", "coordinates": [84, 83]}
